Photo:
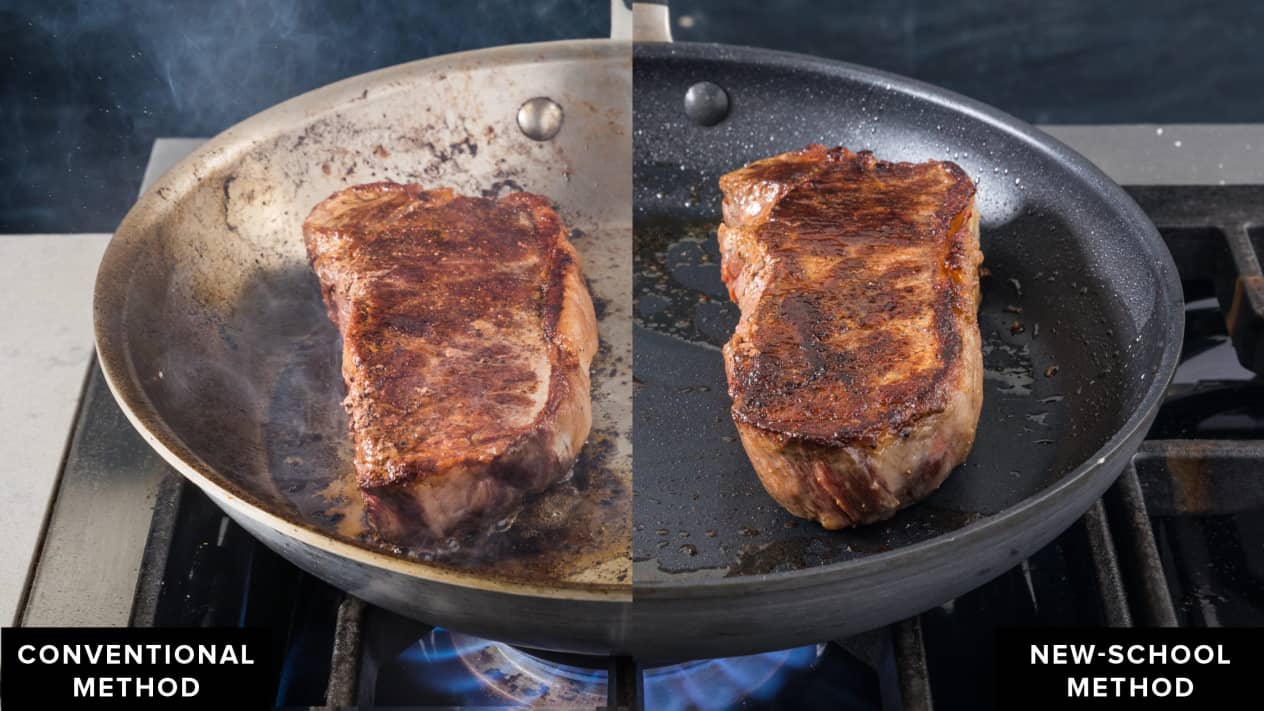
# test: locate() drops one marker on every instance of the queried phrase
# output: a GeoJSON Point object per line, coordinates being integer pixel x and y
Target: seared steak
{"type": "Point", "coordinates": [467, 332]}
{"type": "Point", "coordinates": [856, 368]}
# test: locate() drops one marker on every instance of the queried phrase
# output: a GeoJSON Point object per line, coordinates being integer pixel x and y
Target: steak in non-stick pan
{"type": "Point", "coordinates": [856, 369]}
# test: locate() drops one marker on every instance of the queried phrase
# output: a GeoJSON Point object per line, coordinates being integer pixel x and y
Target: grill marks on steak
{"type": "Point", "coordinates": [856, 367]}
{"type": "Point", "coordinates": [467, 336]}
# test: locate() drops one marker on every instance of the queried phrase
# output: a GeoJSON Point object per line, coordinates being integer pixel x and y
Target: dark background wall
{"type": "Point", "coordinates": [1047, 61]}
{"type": "Point", "coordinates": [87, 85]}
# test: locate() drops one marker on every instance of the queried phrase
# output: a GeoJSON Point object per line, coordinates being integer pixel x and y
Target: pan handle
{"type": "Point", "coordinates": [651, 21]}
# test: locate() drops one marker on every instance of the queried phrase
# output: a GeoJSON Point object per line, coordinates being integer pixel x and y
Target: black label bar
{"type": "Point", "coordinates": [1109, 668]}
{"type": "Point", "coordinates": [134, 668]}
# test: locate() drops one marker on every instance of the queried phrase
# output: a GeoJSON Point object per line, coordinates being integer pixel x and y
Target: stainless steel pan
{"type": "Point", "coordinates": [211, 335]}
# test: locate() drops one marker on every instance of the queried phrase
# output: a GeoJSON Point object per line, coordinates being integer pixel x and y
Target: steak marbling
{"type": "Point", "coordinates": [467, 334]}
{"type": "Point", "coordinates": [856, 367]}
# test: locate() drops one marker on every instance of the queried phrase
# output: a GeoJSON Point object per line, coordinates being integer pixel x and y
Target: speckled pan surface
{"type": "Point", "coordinates": [212, 335]}
{"type": "Point", "coordinates": [1081, 322]}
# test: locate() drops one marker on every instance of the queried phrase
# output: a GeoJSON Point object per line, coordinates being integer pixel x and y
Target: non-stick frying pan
{"type": "Point", "coordinates": [1081, 322]}
{"type": "Point", "coordinates": [211, 334]}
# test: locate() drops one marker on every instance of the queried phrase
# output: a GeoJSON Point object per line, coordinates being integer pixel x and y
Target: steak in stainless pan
{"type": "Point", "coordinates": [467, 333]}
{"type": "Point", "coordinates": [856, 368]}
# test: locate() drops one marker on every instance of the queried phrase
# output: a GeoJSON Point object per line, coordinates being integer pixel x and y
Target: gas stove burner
{"type": "Point", "coordinates": [716, 684]}
{"type": "Point", "coordinates": [484, 672]}
{"type": "Point", "coordinates": [499, 672]}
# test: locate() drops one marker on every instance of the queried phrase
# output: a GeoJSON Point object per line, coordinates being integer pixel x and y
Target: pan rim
{"type": "Point", "coordinates": [1168, 296]}
{"type": "Point", "coordinates": [110, 295]}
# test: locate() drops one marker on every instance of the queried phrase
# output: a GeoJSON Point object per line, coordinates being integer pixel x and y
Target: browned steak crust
{"type": "Point", "coordinates": [467, 336]}
{"type": "Point", "coordinates": [856, 369]}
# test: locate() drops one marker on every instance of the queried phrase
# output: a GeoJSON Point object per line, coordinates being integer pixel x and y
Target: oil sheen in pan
{"type": "Point", "coordinates": [700, 509]}
{"type": "Point", "coordinates": [577, 530]}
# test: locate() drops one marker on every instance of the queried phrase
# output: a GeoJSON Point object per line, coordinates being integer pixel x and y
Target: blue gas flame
{"type": "Point", "coordinates": [719, 684]}
{"type": "Point", "coordinates": [440, 653]}
{"type": "Point", "coordinates": [438, 648]}
{"type": "Point", "coordinates": [706, 685]}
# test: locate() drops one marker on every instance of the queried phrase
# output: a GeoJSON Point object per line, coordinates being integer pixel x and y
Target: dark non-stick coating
{"type": "Point", "coordinates": [1081, 324]}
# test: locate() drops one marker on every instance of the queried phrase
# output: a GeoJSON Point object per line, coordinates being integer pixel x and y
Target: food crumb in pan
{"type": "Point", "coordinates": [1051, 371]}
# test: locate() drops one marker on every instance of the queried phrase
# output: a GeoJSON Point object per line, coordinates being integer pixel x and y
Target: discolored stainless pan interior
{"type": "Point", "coordinates": [212, 335]}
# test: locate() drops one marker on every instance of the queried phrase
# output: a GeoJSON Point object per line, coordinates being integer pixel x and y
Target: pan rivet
{"type": "Point", "coordinates": [706, 104]}
{"type": "Point", "coordinates": [540, 118]}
